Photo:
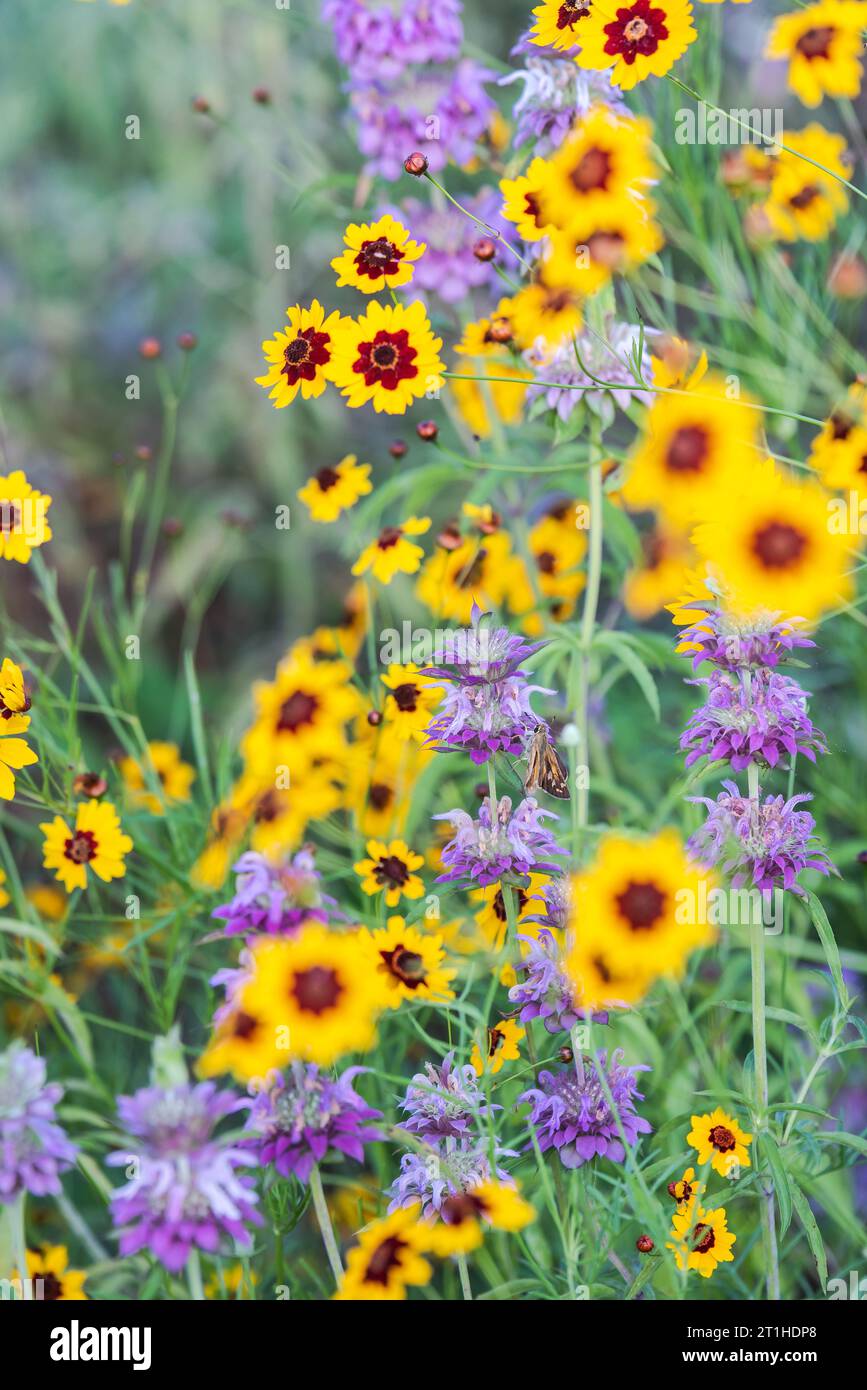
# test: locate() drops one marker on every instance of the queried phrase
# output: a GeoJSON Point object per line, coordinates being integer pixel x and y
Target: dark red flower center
{"type": "Point", "coordinates": [304, 355]}
{"type": "Point", "coordinates": [779, 546]}
{"type": "Point", "coordinates": [862, 467]}
{"type": "Point", "coordinates": [406, 966]}
{"type": "Point", "coordinates": [841, 425]}
{"type": "Point", "coordinates": [81, 847]}
{"type": "Point", "coordinates": [815, 43]}
{"type": "Point", "coordinates": [807, 195]}
{"type": "Point", "coordinates": [722, 1138]}
{"type": "Point", "coordinates": [680, 1191]}
{"type": "Point", "coordinates": [606, 248]}
{"type": "Point", "coordinates": [267, 808]}
{"type": "Point", "coordinates": [52, 1288]}
{"type": "Point", "coordinates": [546, 562]}
{"type": "Point", "coordinates": [472, 573]}
{"type": "Point", "coordinates": [637, 31]}
{"type": "Point", "coordinates": [495, 1041]}
{"type": "Point", "coordinates": [688, 450]}
{"type": "Point", "coordinates": [10, 517]}
{"type": "Point", "coordinates": [591, 171]}
{"type": "Point", "coordinates": [703, 1242]}
{"type": "Point", "coordinates": [391, 870]}
{"type": "Point", "coordinates": [569, 13]}
{"type": "Point", "coordinates": [380, 796]}
{"type": "Point", "coordinates": [463, 1206]}
{"type": "Point", "coordinates": [388, 537]}
{"type": "Point", "coordinates": [406, 697]}
{"type": "Point", "coordinates": [327, 478]}
{"type": "Point", "coordinates": [316, 989]}
{"type": "Point", "coordinates": [378, 258]}
{"type": "Point", "coordinates": [531, 207]}
{"type": "Point", "coordinates": [384, 1259]}
{"type": "Point", "coordinates": [387, 360]}
{"type": "Point", "coordinates": [299, 709]}
{"type": "Point", "coordinates": [499, 905]}
{"type": "Point", "coordinates": [244, 1025]}
{"type": "Point", "coordinates": [641, 904]}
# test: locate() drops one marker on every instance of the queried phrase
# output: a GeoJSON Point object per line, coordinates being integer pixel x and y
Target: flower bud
{"type": "Point", "coordinates": [416, 164]}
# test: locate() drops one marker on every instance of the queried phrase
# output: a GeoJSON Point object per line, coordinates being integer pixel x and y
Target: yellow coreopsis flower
{"type": "Point", "coordinates": [23, 512]}
{"type": "Point", "coordinates": [332, 491]}
{"type": "Point", "coordinates": [465, 1216]}
{"type": "Point", "coordinates": [47, 1267]}
{"type": "Point", "coordinates": [501, 1047]}
{"type": "Point", "coordinates": [718, 1139]}
{"type": "Point", "coordinates": [823, 46]}
{"type": "Point", "coordinates": [301, 357]}
{"type": "Point", "coordinates": [639, 40]}
{"type": "Point", "coordinates": [409, 963]}
{"type": "Point", "coordinates": [558, 23]}
{"type": "Point", "coordinates": [96, 842]}
{"type": "Point", "coordinates": [378, 256]}
{"type": "Point", "coordinates": [174, 776]}
{"type": "Point", "coordinates": [804, 201]}
{"type": "Point", "coordinates": [392, 553]}
{"type": "Point", "coordinates": [389, 869]}
{"type": "Point", "coordinates": [521, 201]}
{"type": "Point", "coordinates": [600, 170]}
{"type": "Point", "coordinates": [701, 1239]}
{"type": "Point", "coordinates": [412, 697]}
{"type": "Point", "coordinates": [388, 357]}
{"type": "Point", "coordinates": [388, 1258]}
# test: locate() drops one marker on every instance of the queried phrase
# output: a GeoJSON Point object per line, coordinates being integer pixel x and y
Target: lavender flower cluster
{"type": "Point", "coordinates": [573, 1112]}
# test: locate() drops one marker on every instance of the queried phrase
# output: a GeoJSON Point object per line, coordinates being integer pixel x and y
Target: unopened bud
{"type": "Point", "coordinates": [150, 348]}
{"type": "Point", "coordinates": [416, 164]}
{"type": "Point", "coordinates": [485, 249]}
{"type": "Point", "coordinates": [427, 430]}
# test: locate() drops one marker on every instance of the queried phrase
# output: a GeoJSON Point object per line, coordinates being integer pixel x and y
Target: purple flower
{"type": "Point", "coordinates": [478, 654]}
{"type": "Point", "coordinates": [556, 94]}
{"type": "Point", "coordinates": [767, 844]}
{"type": "Point", "coordinates": [564, 385]}
{"type": "Point", "coordinates": [555, 898]}
{"type": "Point", "coordinates": [442, 111]}
{"type": "Point", "coordinates": [34, 1150]}
{"type": "Point", "coordinates": [273, 898]}
{"type": "Point", "coordinates": [377, 39]}
{"type": "Point", "coordinates": [444, 1102]}
{"type": "Point", "coordinates": [446, 1170]}
{"type": "Point", "coordinates": [185, 1191]}
{"type": "Point", "coordinates": [544, 989]}
{"type": "Point", "coordinates": [485, 851]}
{"type": "Point", "coordinates": [751, 718]}
{"type": "Point", "coordinates": [302, 1116]}
{"type": "Point", "coordinates": [573, 1115]}
{"type": "Point", "coordinates": [732, 643]}
{"type": "Point", "coordinates": [448, 268]}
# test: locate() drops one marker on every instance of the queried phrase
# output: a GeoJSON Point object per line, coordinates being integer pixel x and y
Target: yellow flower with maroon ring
{"type": "Point", "coordinates": [488, 336]}
{"type": "Point", "coordinates": [52, 1280]}
{"type": "Point", "coordinates": [636, 41]}
{"type": "Point", "coordinates": [164, 766]}
{"type": "Point", "coordinates": [300, 716]}
{"type": "Point", "coordinates": [388, 1258]}
{"type": "Point", "coordinates": [719, 1140]}
{"type": "Point", "coordinates": [379, 255]}
{"type": "Point", "coordinates": [558, 23]}
{"type": "Point", "coordinates": [805, 201]}
{"type": "Point", "coordinates": [772, 546]}
{"type": "Point", "coordinates": [824, 48]}
{"type": "Point", "coordinates": [491, 914]}
{"type": "Point", "coordinates": [465, 1216]}
{"type": "Point", "coordinates": [96, 842]}
{"type": "Point", "coordinates": [521, 201]}
{"type": "Point", "coordinates": [501, 1046]}
{"type": "Point", "coordinates": [409, 963]}
{"type": "Point", "coordinates": [14, 699]}
{"type": "Point", "coordinates": [392, 553]}
{"type": "Point", "coordinates": [412, 697]}
{"type": "Point", "coordinates": [301, 357]}
{"type": "Point", "coordinates": [685, 1189]}
{"type": "Point", "coordinates": [701, 1239]}
{"type": "Point", "coordinates": [844, 464]}
{"type": "Point", "coordinates": [550, 307]}
{"type": "Point", "coordinates": [388, 356]}
{"type": "Point", "coordinates": [335, 489]}
{"type": "Point", "coordinates": [389, 869]}
{"type": "Point", "coordinates": [317, 991]}
{"type": "Point", "coordinates": [242, 1043]}
{"type": "Point", "coordinates": [23, 510]}
{"type": "Point", "coordinates": [602, 167]}
{"type": "Point", "coordinates": [602, 244]}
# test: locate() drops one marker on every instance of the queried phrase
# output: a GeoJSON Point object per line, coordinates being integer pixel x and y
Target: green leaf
{"type": "Point", "coordinates": [782, 1187]}
{"type": "Point", "coordinates": [634, 665]}
{"type": "Point", "coordinates": [829, 946]}
{"type": "Point", "coordinates": [811, 1231]}
{"type": "Point", "coordinates": [32, 933]}
{"type": "Point", "coordinates": [852, 1141]}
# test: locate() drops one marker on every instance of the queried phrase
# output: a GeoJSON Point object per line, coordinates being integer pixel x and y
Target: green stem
{"type": "Point", "coordinates": [326, 1229]}
{"type": "Point", "coordinates": [194, 1277]}
{"type": "Point", "coordinates": [465, 1278]}
{"type": "Point", "coordinates": [588, 627]}
{"type": "Point", "coordinates": [19, 1244]}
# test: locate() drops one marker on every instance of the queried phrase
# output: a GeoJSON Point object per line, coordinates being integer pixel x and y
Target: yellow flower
{"type": "Point", "coordinates": [277, 816]}
{"type": "Point", "coordinates": [164, 763]}
{"type": "Point", "coordinates": [486, 337]}
{"type": "Point", "coordinates": [411, 700]}
{"type": "Point", "coordinates": [391, 553]}
{"type": "Point", "coordinates": [671, 361]}
{"type": "Point", "coordinates": [389, 870]}
{"type": "Point", "coordinates": [701, 1239]}
{"type": "Point", "coordinates": [549, 307]}
{"type": "Point", "coordinates": [244, 1044]}
{"type": "Point", "coordinates": [14, 699]}
{"type": "Point", "coordinates": [639, 909]}
{"type": "Point", "coordinates": [15, 753]}
{"type": "Point", "coordinates": [521, 201]}
{"type": "Point", "coordinates": [803, 200]}
{"type": "Point", "coordinates": [4, 896]}
{"type": "Point", "coordinates": [842, 462]}
{"type": "Point", "coordinates": [558, 548]}
{"type": "Point", "coordinates": [772, 548]}
{"type": "Point", "coordinates": [231, 1281]}
{"type": "Point", "coordinates": [388, 1258]}
{"type": "Point", "coordinates": [317, 992]}
{"type": "Point", "coordinates": [558, 23]}
{"type": "Point", "coordinates": [49, 902]}
{"type": "Point", "coordinates": [47, 1268]}
{"type": "Point", "coordinates": [637, 40]}
{"type": "Point", "coordinates": [409, 963]}
{"type": "Point", "coordinates": [301, 357]}
{"type": "Point", "coordinates": [300, 718]}
{"type": "Point", "coordinates": [465, 1215]}
{"type": "Point", "coordinates": [600, 170]}
{"type": "Point", "coordinates": [693, 447]}
{"type": "Point", "coordinates": [388, 356]}
{"type": "Point", "coordinates": [662, 572]}
{"type": "Point", "coordinates": [501, 1047]}
{"type": "Point", "coordinates": [601, 244]}
{"type": "Point", "coordinates": [491, 915]}
{"type": "Point", "coordinates": [686, 1188]}
{"type": "Point", "coordinates": [23, 510]}
{"type": "Point", "coordinates": [479, 569]}
{"type": "Point", "coordinates": [379, 256]}
{"type": "Point", "coordinates": [334, 490]}
{"type": "Point", "coordinates": [96, 843]}
{"type": "Point", "coordinates": [718, 1138]}
{"type": "Point", "coordinates": [823, 45]}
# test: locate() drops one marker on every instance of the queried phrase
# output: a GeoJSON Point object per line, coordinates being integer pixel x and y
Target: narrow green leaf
{"type": "Point", "coordinates": [811, 1231]}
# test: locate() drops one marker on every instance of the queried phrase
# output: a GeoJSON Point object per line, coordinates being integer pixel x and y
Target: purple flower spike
{"type": "Point", "coordinates": [34, 1150]}
{"type": "Point", "coordinates": [732, 644]}
{"type": "Point", "coordinates": [485, 851]}
{"type": "Point", "coordinates": [376, 40]}
{"type": "Point", "coordinates": [446, 1170]}
{"type": "Point", "coordinates": [556, 93]}
{"type": "Point", "coordinates": [545, 991]}
{"type": "Point", "coordinates": [755, 720]}
{"type": "Point", "coordinates": [574, 1116]}
{"type": "Point", "coordinates": [607, 360]}
{"type": "Point", "coordinates": [304, 1116]}
{"type": "Point", "coordinates": [397, 117]}
{"type": "Point", "coordinates": [444, 1102]}
{"type": "Point", "coordinates": [762, 845]}
{"type": "Point", "coordinates": [185, 1192]}
{"type": "Point", "coordinates": [273, 898]}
